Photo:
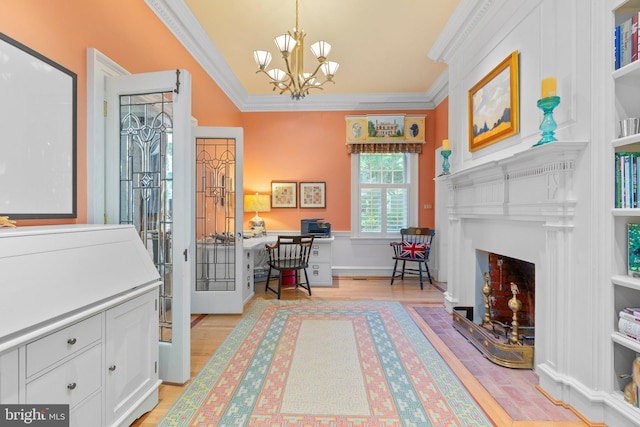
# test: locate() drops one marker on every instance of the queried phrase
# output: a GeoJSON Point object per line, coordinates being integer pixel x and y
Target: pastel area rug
{"type": "Point", "coordinates": [292, 363]}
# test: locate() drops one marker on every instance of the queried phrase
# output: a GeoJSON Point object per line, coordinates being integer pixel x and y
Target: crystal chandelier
{"type": "Point", "coordinates": [294, 80]}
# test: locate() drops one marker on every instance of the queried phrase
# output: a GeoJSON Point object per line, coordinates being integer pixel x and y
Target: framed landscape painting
{"type": "Point", "coordinates": [283, 194]}
{"type": "Point", "coordinates": [313, 194]}
{"type": "Point", "coordinates": [493, 105]}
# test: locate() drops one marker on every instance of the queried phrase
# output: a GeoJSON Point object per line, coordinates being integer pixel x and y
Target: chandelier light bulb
{"type": "Point", "coordinates": [321, 50]}
{"type": "Point", "coordinates": [285, 43]}
{"type": "Point", "coordinates": [262, 58]}
{"type": "Point", "coordinates": [329, 69]}
{"type": "Point", "coordinates": [277, 75]}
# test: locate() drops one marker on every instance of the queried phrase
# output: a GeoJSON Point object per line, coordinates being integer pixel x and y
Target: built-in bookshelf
{"type": "Point", "coordinates": [625, 288]}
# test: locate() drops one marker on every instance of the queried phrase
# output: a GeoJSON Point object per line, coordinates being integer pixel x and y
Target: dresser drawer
{"type": "Point", "coordinates": [69, 383]}
{"type": "Point", "coordinates": [319, 274]}
{"type": "Point", "coordinates": [320, 252]}
{"type": "Point", "coordinates": [54, 347]}
{"type": "Point", "coordinates": [88, 413]}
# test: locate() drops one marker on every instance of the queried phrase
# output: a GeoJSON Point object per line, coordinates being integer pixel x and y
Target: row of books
{"type": "Point", "coordinates": [629, 322]}
{"type": "Point", "coordinates": [626, 41]}
{"type": "Point", "coordinates": [627, 190]}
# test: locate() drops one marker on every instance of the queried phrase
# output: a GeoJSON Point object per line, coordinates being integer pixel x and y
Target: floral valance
{"type": "Point", "coordinates": [379, 133]}
{"type": "Point", "coordinates": [384, 147]}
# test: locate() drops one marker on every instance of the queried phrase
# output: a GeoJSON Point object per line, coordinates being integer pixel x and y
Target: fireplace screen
{"type": "Point", "coordinates": [503, 325]}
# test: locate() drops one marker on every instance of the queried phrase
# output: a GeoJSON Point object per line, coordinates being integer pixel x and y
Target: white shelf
{"type": "Point", "coordinates": [629, 71]}
{"type": "Point", "coordinates": [626, 281]}
{"type": "Point", "coordinates": [630, 143]}
{"type": "Point", "coordinates": [625, 341]}
{"type": "Point", "coordinates": [626, 212]}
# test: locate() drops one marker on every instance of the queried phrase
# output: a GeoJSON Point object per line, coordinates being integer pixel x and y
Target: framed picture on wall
{"type": "Point", "coordinates": [283, 194]}
{"type": "Point", "coordinates": [38, 136]}
{"type": "Point", "coordinates": [494, 105]}
{"type": "Point", "coordinates": [313, 194]}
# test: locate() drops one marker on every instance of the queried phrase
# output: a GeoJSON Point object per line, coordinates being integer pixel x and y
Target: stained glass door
{"type": "Point", "coordinates": [218, 180]}
{"type": "Point", "coordinates": [149, 184]}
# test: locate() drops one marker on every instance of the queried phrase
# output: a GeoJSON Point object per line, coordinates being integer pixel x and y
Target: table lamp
{"type": "Point", "coordinates": [257, 203]}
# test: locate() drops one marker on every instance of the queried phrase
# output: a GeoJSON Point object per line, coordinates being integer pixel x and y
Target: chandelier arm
{"type": "Point", "coordinates": [289, 74]}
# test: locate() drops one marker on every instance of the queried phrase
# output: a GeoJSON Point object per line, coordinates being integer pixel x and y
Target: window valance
{"type": "Point", "coordinates": [384, 147]}
{"type": "Point", "coordinates": [385, 133]}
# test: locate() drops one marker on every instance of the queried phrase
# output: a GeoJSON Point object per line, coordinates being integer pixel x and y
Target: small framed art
{"type": "Point", "coordinates": [283, 194]}
{"type": "Point", "coordinates": [313, 194]}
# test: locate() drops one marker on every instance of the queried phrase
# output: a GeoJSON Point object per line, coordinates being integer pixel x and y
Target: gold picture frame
{"type": "Point", "coordinates": [494, 105]}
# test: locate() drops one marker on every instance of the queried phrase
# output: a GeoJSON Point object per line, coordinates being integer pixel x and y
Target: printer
{"type": "Point", "coordinates": [315, 226]}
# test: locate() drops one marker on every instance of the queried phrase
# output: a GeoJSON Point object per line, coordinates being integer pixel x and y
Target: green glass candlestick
{"type": "Point", "coordinates": [445, 162]}
{"type": "Point", "coordinates": [548, 125]}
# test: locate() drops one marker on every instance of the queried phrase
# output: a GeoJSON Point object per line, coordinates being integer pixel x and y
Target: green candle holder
{"type": "Point", "coordinates": [445, 162]}
{"type": "Point", "coordinates": [548, 125]}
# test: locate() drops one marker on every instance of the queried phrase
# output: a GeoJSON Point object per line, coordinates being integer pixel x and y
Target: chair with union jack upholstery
{"type": "Point", "coordinates": [414, 249]}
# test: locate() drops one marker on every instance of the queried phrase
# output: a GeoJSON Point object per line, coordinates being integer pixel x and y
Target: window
{"type": "Point", "coordinates": [384, 193]}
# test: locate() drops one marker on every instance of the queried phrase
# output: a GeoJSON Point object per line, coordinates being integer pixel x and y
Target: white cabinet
{"type": "Point", "coordinates": [320, 262]}
{"type": "Point", "coordinates": [79, 322]}
{"type": "Point", "coordinates": [131, 354]}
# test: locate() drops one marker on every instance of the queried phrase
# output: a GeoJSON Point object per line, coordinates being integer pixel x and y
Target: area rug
{"type": "Point", "coordinates": [293, 363]}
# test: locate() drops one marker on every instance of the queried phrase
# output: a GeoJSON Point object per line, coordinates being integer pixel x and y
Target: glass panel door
{"type": "Point", "coordinates": [149, 184]}
{"type": "Point", "coordinates": [218, 284]}
{"type": "Point", "coordinates": [146, 184]}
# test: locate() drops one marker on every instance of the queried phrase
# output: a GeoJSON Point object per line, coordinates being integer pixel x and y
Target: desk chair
{"type": "Point", "coordinates": [288, 256]}
{"type": "Point", "coordinates": [414, 247]}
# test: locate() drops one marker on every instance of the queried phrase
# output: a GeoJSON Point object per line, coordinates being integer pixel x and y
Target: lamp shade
{"type": "Point", "coordinates": [257, 203]}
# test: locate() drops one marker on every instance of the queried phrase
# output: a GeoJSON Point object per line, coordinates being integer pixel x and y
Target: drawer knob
{"type": "Point", "coordinates": [72, 386]}
{"type": "Point", "coordinates": [71, 341]}
{"type": "Point", "coordinates": [112, 368]}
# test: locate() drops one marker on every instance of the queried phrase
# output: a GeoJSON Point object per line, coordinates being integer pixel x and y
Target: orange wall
{"type": "Point", "coordinates": [441, 122]}
{"type": "Point", "coordinates": [278, 146]}
{"type": "Point", "coordinates": [310, 146]}
{"type": "Point", "coordinates": [126, 31]}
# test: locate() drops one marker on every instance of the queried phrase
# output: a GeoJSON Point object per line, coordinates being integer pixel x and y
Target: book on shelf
{"type": "Point", "coordinates": [630, 328]}
{"type": "Point", "coordinates": [633, 249]}
{"type": "Point", "coordinates": [627, 180]}
{"type": "Point", "coordinates": [629, 315]}
{"type": "Point", "coordinates": [625, 43]}
{"type": "Point", "coordinates": [634, 37]}
{"type": "Point", "coordinates": [616, 46]}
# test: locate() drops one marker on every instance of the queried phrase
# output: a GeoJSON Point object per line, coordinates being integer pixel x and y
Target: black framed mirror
{"type": "Point", "coordinates": [38, 135]}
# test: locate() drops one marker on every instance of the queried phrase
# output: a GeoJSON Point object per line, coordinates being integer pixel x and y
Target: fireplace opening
{"type": "Point", "coordinates": [504, 273]}
{"type": "Point", "coordinates": [501, 324]}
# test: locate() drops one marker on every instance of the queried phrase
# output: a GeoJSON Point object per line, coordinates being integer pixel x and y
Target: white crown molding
{"type": "Point", "coordinates": [439, 90]}
{"type": "Point", "coordinates": [179, 19]}
{"type": "Point", "coordinates": [463, 20]}
{"type": "Point", "coordinates": [339, 102]}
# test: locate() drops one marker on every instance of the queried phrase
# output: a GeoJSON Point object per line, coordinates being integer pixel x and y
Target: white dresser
{"type": "Point", "coordinates": [320, 262]}
{"type": "Point", "coordinates": [79, 322]}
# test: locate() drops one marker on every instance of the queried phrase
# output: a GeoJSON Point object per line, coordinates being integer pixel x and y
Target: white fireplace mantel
{"type": "Point", "coordinates": [535, 184]}
{"type": "Point", "coordinates": [522, 206]}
